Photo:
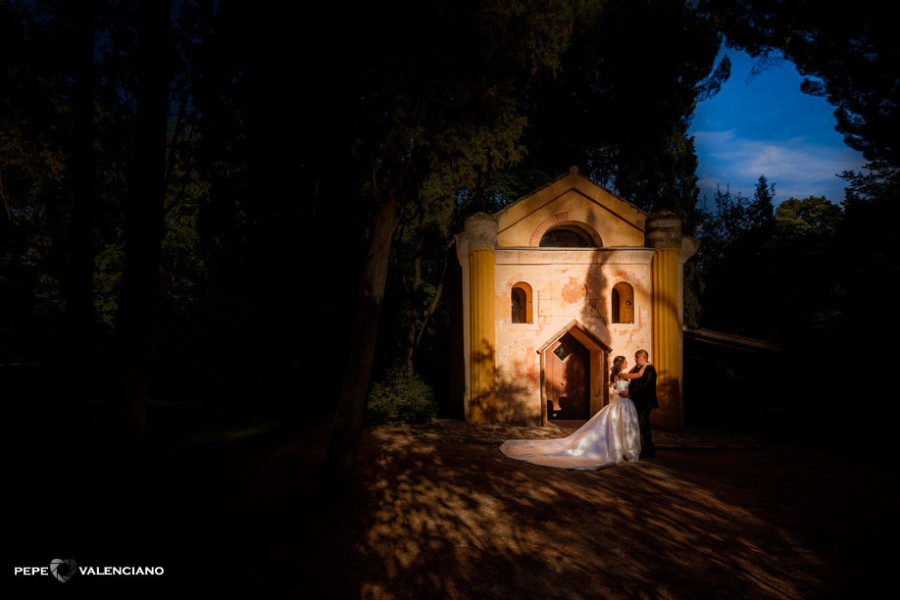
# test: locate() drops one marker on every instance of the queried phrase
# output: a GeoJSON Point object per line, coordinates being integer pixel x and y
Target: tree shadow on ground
{"type": "Point", "coordinates": [437, 511]}
{"type": "Point", "coordinates": [436, 517]}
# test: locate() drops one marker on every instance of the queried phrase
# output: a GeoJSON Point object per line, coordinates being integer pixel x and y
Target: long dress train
{"type": "Point", "coordinates": [610, 436]}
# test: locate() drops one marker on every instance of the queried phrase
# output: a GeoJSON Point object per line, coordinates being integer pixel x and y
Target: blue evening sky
{"type": "Point", "coordinates": [764, 125]}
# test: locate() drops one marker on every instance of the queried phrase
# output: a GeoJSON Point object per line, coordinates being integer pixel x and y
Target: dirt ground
{"type": "Point", "coordinates": [436, 511]}
{"type": "Point", "coordinates": [439, 512]}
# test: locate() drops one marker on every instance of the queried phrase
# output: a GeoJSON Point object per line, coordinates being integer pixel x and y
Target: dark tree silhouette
{"type": "Point", "coordinates": [143, 225]}
{"type": "Point", "coordinates": [367, 151]}
{"type": "Point", "coordinates": [440, 113]}
{"type": "Point", "coordinates": [78, 280]}
{"type": "Point", "coordinates": [849, 54]}
{"type": "Point", "coordinates": [621, 104]}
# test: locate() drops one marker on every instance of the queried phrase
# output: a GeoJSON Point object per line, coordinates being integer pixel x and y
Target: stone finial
{"type": "Point", "coordinates": [573, 170]}
{"type": "Point", "coordinates": [481, 229]}
{"type": "Point", "coordinates": [663, 230]}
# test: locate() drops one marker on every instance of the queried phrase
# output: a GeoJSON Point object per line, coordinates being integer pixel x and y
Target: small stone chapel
{"type": "Point", "coordinates": [557, 284]}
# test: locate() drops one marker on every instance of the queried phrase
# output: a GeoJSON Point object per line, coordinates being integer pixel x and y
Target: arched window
{"type": "Point", "coordinates": [566, 236]}
{"type": "Point", "coordinates": [622, 303]}
{"type": "Point", "coordinates": [520, 303]}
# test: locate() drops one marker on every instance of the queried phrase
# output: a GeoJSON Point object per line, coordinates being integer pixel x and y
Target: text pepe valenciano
{"type": "Point", "coordinates": [97, 571]}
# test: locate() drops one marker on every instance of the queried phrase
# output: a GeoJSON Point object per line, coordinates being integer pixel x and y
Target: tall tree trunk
{"type": "Point", "coordinates": [78, 277]}
{"type": "Point", "coordinates": [143, 224]}
{"type": "Point", "coordinates": [413, 297]}
{"type": "Point", "coordinates": [344, 444]}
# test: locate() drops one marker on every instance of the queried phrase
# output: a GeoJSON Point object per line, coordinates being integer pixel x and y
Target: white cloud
{"type": "Point", "coordinates": [713, 138]}
{"type": "Point", "coordinates": [797, 168]}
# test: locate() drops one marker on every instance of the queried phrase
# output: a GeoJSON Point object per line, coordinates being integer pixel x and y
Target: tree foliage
{"type": "Point", "coordinates": [813, 215]}
{"type": "Point", "coordinates": [849, 55]}
{"type": "Point", "coordinates": [439, 121]}
{"type": "Point", "coordinates": [620, 105]}
{"type": "Point", "coordinates": [292, 147]}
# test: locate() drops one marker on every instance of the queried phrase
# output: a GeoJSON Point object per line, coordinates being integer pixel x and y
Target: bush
{"type": "Point", "coordinates": [399, 399]}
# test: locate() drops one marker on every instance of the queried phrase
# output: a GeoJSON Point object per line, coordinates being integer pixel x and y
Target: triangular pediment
{"type": "Point", "coordinates": [580, 333]}
{"type": "Point", "coordinates": [571, 199]}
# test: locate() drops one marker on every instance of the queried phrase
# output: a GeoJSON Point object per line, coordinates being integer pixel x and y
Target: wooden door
{"type": "Point", "coordinates": [567, 379]}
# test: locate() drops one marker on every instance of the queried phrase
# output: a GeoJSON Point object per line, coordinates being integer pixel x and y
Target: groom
{"type": "Point", "coordinates": [642, 392]}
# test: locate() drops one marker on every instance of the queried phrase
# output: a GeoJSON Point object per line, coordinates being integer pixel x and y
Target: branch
{"type": "Point", "coordinates": [437, 296]}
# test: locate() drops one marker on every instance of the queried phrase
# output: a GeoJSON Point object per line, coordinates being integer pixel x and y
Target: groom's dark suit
{"type": "Point", "coordinates": [642, 392]}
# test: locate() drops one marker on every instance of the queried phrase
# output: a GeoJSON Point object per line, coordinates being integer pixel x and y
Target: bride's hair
{"type": "Point", "coordinates": [616, 369]}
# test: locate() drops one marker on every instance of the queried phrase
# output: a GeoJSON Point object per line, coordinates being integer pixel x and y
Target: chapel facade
{"type": "Point", "coordinates": [557, 284]}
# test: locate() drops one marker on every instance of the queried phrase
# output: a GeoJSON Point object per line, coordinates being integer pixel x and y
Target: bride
{"type": "Point", "coordinates": [607, 438]}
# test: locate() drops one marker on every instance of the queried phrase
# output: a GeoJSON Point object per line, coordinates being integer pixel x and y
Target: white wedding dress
{"type": "Point", "coordinates": [610, 436]}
